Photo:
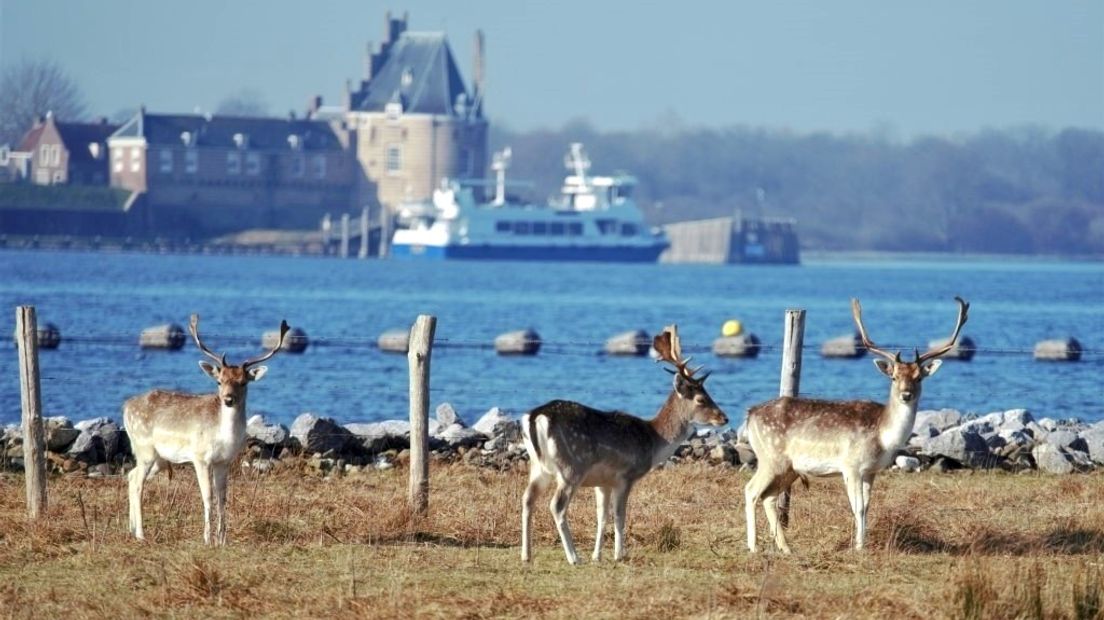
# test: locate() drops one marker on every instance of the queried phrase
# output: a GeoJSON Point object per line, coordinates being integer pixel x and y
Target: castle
{"type": "Point", "coordinates": [410, 122]}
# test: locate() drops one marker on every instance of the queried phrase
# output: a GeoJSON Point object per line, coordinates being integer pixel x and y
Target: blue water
{"type": "Point", "coordinates": [102, 301]}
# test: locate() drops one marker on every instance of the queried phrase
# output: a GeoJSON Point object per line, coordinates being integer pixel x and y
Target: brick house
{"type": "Point", "coordinates": [413, 120]}
{"type": "Point", "coordinates": [61, 153]}
{"type": "Point", "coordinates": [204, 175]}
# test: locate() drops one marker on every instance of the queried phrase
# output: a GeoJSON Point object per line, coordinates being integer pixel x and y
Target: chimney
{"type": "Point", "coordinates": [478, 69]}
{"type": "Point", "coordinates": [313, 104]}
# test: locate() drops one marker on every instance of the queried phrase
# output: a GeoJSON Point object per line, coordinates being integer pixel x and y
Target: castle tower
{"type": "Point", "coordinates": [415, 121]}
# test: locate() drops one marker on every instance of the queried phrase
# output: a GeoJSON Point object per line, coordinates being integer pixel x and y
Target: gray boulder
{"type": "Point", "coordinates": [458, 436]}
{"type": "Point", "coordinates": [84, 425]}
{"type": "Point", "coordinates": [497, 423]}
{"type": "Point", "coordinates": [1052, 459]}
{"type": "Point", "coordinates": [272, 435]}
{"type": "Point", "coordinates": [1049, 424]}
{"type": "Point", "coordinates": [907, 463]}
{"type": "Point", "coordinates": [1094, 442]}
{"type": "Point", "coordinates": [60, 433]}
{"type": "Point", "coordinates": [320, 435]}
{"type": "Point", "coordinates": [938, 420]}
{"type": "Point", "coordinates": [1067, 439]}
{"type": "Point", "coordinates": [447, 416]}
{"type": "Point", "coordinates": [98, 442]}
{"type": "Point", "coordinates": [964, 445]}
{"type": "Point", "coordinates": [376, 437]}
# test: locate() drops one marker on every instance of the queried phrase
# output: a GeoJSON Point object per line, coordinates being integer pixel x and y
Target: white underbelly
{"type": "Point", "coordinates": [816, 467]}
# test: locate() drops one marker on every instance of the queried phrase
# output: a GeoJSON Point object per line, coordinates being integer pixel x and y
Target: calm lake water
{"type": "Point", "coordinates": [102, 301]}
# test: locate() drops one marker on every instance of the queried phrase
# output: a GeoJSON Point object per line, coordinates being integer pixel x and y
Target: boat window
{"type": "Point", "coordinates": [556, 228]}
{"type": "Point", "coordinates": [606, 226]}
{"type": "Point", "coordinates": [503, 227]}
{"type": "Point", "coordinates": [540, 228]}
{"type": "Point", "coordinates": [628, 230]}
{"type": "Point", "coordinates": [575, 229]}
{"type": "Point", "coordinates": [521, 228]}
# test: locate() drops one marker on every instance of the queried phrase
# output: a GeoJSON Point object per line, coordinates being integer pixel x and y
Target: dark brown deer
{"type": "Point", "coordinates": [799, 437]}
{"type": "Point", "coordinates": [206, 430]}
{"type": "Point", "coordinates": [571, 446]}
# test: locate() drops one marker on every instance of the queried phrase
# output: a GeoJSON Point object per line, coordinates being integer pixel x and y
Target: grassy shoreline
{"type": "Point", "coordinates": [971, 544]}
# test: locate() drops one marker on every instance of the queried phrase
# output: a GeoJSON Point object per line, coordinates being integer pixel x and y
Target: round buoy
{"type": "Point", "coordinates": [169, 336]}
{"type": "Point", "coordinates": [849, 346]}
{"type": "Point", "coordinates": [635, 342]}
{"type": "Point", "coordinates": [731, 328]}
{"type": "Point", "coordinates": [295, 341]}
{"type": "Point", "coordinates": [49, 336]}
{"type": "Point", "coordinates": [522, 342]}
{"type": "Point", "coordinates": [394, 341]}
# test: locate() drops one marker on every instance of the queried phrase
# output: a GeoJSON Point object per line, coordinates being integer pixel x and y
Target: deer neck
{"type": "Point", "coordinates": [672, 427]}
{"type": "Point", "coordinates": [232, 421]}
{"type": "Point", "coordinates": [898, 420]}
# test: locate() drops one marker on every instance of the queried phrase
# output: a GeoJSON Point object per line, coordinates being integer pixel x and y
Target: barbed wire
{"type": "Point", "coordinates": [555, 347]}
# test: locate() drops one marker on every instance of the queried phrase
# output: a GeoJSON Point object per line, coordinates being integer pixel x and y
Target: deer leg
{"type": "Point", "coordinates": [203, 477]}
{"type": "Point", "coordinates": [620, 506]}
{"type": "Point", "coordinates": [561, 498]}
{"type": "Point", "coordinates": [602, 499]}
{"type": "Point", "coordinates": [864, 486]}
{"type": "Point", "coordinates": [753, 491]}
{"type": "Point", "coordinates": [770, 507]}
{"type": "Point", "coordinates": [136, 480]}
{"type": "Point", "coordinates": [538, 483]}
{"type": "Point", "coordinates": [218, 477]}
{"type": "Point", "coordinates": [854, 497]}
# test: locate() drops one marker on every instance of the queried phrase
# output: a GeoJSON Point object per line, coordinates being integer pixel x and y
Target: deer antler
{"type": "Point", "coordinates": [193, 326]}
{"type": "Point", "coordinates": [856, 312]}
{"type": "Point", "coordinates": [670, 350]}
{"type": "Point", "coordinates": [963, 308]}
{"type": "Point", "coordinates": [279, 343]}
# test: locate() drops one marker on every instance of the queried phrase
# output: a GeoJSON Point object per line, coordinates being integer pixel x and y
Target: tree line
{"type": "Point", "coordinates": [1024, 191]}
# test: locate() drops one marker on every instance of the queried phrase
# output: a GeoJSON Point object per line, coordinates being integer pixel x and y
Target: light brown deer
{"type": "Point", "coordinates": [206, 430]}
{"type": "Point", "coordinates": [799, 437]}
{"type": "Point", "coordinates": [571, 446]}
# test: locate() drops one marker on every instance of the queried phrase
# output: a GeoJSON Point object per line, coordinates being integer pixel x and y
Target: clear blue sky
{"type": "Point", "coordinates": [941, 66]}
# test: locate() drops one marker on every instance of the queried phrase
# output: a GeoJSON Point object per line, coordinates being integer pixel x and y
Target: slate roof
{"type": "Point", "coordinates": [77, 137]}
{"type": "Point", "coordinates": [218, 131]}
{"type": "Point", "coordinates": [433, 81]}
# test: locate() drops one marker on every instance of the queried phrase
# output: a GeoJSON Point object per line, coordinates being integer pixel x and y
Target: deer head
{"type": "Point", "coordinates": [233, 380]}
{"type": "Point", "coordinates": [690, 396]}
{"type": "Point", "coordinates": [906, 376]}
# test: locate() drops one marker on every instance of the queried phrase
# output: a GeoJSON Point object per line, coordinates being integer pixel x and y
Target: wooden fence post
{"type": "Point", "coordinates": [34, 435]}
{"type": "Point", "coordinates": [418, 355]}
{"type": "Point", "coordinates": [343, 250]}
{"type": "Point", "coordinates": [363, 253]}
{"type": "Point", "coordinates": [792, 341]}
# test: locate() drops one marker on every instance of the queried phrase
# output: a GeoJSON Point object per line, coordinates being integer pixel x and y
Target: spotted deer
{"type": "Point", "coordinates": [799, 437]}
{"type": "Point", "coordinates": [571, 445]}
{"type": "Point", "coordinates": [206, 430]}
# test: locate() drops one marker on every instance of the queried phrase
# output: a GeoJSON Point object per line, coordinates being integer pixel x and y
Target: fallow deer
{"type": "Point", "coordinates": [799, 437]}
{"type": "Point", "coordinates": [207, 430]}
{"type": "Point", "coordinates": [571, 445]}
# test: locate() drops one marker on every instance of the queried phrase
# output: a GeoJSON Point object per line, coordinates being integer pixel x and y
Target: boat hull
{"type": "Point", "coordinates": [614, 254]}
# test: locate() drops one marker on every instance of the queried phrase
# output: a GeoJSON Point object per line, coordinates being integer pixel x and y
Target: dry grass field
{"type": "Point", "coordinates": [972, 545]}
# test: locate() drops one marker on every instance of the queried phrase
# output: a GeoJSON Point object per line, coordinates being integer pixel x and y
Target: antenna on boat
{"type": "Point", "coordinates": [499, 163]}
{"type": "Point", "coordinates": [577, 161]}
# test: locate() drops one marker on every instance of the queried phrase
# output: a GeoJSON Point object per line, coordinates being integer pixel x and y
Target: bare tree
{"type": "Point", "coordinates": [247, 102]}
{"type": "Point", "coordinates": [32, 88]}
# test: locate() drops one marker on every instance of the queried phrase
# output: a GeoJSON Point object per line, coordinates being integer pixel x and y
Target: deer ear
{"type": "Point", "coordinates": [932, 366]}
{"type": "Point", "coordinates": [884, 367]}
{"type": "Point", "coordinates": [682, 386]}
{"type": "Point", "coordinates": [210, 370]}
{"type": "Point", "coordinates": [255, 374]}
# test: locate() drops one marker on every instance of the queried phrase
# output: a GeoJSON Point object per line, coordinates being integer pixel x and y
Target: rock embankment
{"type": "Point", "coordinates": [941, 441]}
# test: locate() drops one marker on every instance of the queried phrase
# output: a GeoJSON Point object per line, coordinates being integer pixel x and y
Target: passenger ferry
{"type": "Point", "coordinates": [594, 220]}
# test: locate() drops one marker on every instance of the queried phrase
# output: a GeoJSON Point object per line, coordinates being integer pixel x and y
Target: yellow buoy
{"type": "Point", "coordinates": [731, 327]}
